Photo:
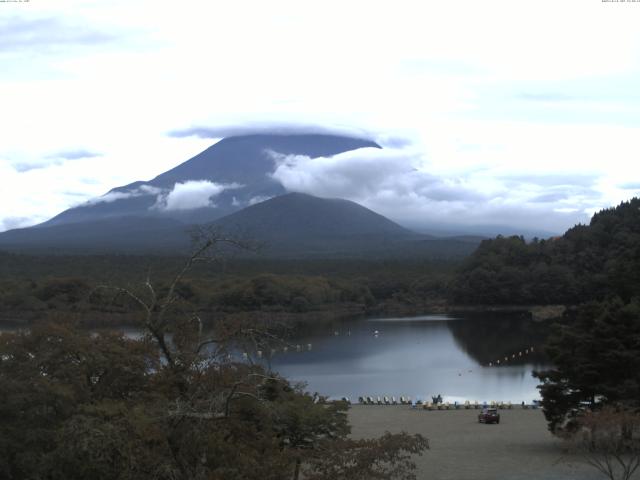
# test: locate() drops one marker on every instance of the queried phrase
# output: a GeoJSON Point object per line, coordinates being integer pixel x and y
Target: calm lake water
{"type": "Point", "coordinates": [419, 357]}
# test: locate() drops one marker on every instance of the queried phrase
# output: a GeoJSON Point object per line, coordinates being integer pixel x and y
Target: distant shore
{"type": "Point", "coordinates": [338, 312]}
{"type": "Point", "coordinates": [519, 448]}
{"type": "Point", "coordinates": [535, 312]}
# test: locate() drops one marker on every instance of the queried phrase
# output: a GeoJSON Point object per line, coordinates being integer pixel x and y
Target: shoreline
{"type": "Point", "coordinates": [336, 313]}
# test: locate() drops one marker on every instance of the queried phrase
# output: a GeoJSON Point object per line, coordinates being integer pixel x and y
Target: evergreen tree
{"type": "Point", "coordinates": [596, 356]}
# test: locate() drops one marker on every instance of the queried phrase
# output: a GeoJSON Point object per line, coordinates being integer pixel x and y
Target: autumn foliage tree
{"type": "Point", "coordinates": [174, 404]}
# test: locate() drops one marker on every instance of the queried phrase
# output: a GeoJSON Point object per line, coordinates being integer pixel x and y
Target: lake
{"type": "Point", "coordinates": [419, 356]}
{"type": "Point", "coordinates": [454, 356]}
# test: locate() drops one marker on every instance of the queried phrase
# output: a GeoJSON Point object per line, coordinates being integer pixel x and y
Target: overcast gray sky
{"type": "Point", "coordinates": [518, 112]}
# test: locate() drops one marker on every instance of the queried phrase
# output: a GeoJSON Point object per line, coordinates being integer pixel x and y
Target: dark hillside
{"type": "Point", "coordinates": [288, 226]}
{"type": "Point", "coordinates": [589, 262]}
{"type": "Point", "coordinates": [299, 225]}
{"type": "Point", "coordinates": [298, 216]}
{"type": "Point", "coordinates": [108, 235]}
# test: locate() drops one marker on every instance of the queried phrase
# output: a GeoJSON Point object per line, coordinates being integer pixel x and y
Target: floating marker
{"type": "Point", "coordinates": [297, 348]}
{"type": "Point", "coordinates": [245, 355]}
{"type": "Point", "coordinates": [309, 346]}
{"type": "Point", "coordinates": [259, 353]}
{"type": "Point", "coordinates": [285, 349]}
{"type": "Point", "coordinates": [490, 364]}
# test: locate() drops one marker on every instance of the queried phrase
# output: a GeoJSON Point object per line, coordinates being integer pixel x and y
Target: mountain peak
{"type": "Point", "coordinates": [231, 185]}
{"type": "Point", "coordinates": [240, 167]}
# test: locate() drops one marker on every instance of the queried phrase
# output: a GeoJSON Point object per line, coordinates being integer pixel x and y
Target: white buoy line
{"type": "Point", "coordinates": [286, 349]}
{"type": "Point", "coordinates": [513, 356]}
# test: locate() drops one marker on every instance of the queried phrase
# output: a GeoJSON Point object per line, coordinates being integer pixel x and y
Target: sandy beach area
{"type": "Point", "coordinates": [519, 448]}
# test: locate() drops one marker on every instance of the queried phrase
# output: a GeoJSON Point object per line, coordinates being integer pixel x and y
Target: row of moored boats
{"type": "Point", "coordinates": [384, 400]}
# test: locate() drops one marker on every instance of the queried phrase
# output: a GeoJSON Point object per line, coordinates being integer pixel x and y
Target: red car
{"type": "Point", "coordinates": [489, 415]}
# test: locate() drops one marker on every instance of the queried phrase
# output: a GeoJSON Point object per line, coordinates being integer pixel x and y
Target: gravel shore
{"type": "Point", "coordinates": [519, 448]}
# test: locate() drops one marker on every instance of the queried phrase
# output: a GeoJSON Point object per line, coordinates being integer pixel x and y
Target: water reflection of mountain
{"type": "Point", "coordinates": [340, 341]}
{"type": "Point", "coordinates": [485, 339]}
{"type": "Point", "coordinates": [488, 339]}
{"type": "Point", "coordinates": [417, 356]}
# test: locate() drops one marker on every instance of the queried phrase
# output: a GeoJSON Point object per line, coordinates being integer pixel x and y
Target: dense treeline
{"type": "Point", "coordinates": [82, 406]}
{"type": "Point", "coordinates": [120, 268]}
{"type": "Point", "coordinates": [588, 262]}
{"type": "Point", "coordinates": [594, 348]}
{"type": "Point", "coordinates": [173, 404]}
{"type": "Point", "coordinates": [595, 351]}
{"type": "Point", "coordinates": [50, 286]}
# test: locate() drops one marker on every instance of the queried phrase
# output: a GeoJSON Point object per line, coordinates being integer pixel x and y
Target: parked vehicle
{"type": "Point", "coordinates": [489, 415]}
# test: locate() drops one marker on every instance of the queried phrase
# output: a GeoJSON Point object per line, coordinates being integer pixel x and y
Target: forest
{"type": "Point", "coordinates": [172, 404]}
{"type": "Point", "coordinates": [35, 288]}
{"type": "Point", "coordinates": [100, 405]}
{"type": "Point", "coordinates": [588, 262]}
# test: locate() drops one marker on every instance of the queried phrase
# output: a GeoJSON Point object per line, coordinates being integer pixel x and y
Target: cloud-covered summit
{"type": "Point", "coordinates": [483, 94]}
{"type": "Point", "coordinates": [290, 128]}
{"type": "Point", "coordinates": [266, 128]}
{"type": "Point", "coordinates": [231, 174]}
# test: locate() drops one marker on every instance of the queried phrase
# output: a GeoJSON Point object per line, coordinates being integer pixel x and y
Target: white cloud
{"type": "Point", "coordinates": [112, 197]}
{"type": "Point", "coordinates": [481, 89]}
{"type": "Point", "coordinates": [192, 194]}
{"type": "Point", "coordinates": [74, 154]}
{"type": "Point", "coordinates": [119, 194]}
{"type": "Point", "coordinates": [9, 223]}
{"type": "Point", "coordinates": [399, 184]}
{"type": "Point", "coordinates": [258, 199]}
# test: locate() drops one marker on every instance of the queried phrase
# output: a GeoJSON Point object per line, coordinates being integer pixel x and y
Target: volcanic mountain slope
{"type": "Point", "coordinates": [238, 171]}
{"type": "Point", "coordinates": [293, 225]}
{"type": "Point", "coordinates": [105, 235]}
{"type": "Point", "coordinates": [241, 197]}
{"type": "Point", "coordinates": [296, 223]}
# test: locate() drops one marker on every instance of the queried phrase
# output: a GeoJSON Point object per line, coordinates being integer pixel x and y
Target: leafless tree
{"type": "Point", "coordinates": [609, 441]}
{"type": "Point", "coordinates": [177, 329]}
